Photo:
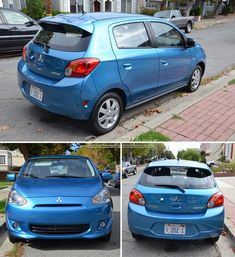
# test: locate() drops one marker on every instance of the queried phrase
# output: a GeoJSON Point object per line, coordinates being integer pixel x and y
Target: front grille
{"type": "Point", "coordinates": [59, 229]}
{"type": "Point", "coordinates": [57, 205]}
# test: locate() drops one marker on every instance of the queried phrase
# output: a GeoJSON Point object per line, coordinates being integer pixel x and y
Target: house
{"type": "Point", "coordinates": [212, 151]}
{"type": "Point", "coordinates": [229, 151]}
{"type": "Point", "coordinates": [5, 160]}
{"type": "Point", "coordinates": [14, 4]}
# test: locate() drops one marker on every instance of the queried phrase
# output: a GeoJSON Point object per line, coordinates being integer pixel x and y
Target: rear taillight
{"type": "Point", "coordinates": [81, 67]}
{"type": "Point", "coordinates": [24, 53]}
{"type": "Point", "coordinates": [136, 197]}
{"type": "Point", "coordinates": [216, 200]}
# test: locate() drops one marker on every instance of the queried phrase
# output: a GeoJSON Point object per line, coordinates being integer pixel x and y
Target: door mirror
{"type": "Point", "coordinates": [190, 42]}
{"type": "Point", "coordinates": [11, 177]}
{"type": "Point", "coordinates": [173, 17]}
{"type": "Point", "coordinates": [29, 23]}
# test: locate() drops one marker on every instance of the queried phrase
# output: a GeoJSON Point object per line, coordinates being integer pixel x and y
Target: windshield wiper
{"type": "Point", "coordinates": [63, 176]}
{"type": "Point", "coordinates": [172, 186]}
{"type": "Point", "coordinates": [44, 45]}
{"type": "Point", "coordinates": [29, 176]}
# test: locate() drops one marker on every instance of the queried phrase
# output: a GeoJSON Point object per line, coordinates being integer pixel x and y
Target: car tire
{"type": "Point", "coordinates": [188, 27]}
{"type": "Point", "coordinates": [136, 236]}
{"type": "Point", "coordinates": [106, 238]}
{"type": "Point", "coordinates": [134, 172]}
{"type": "Point", "coordinates": [213, 240]}
{"type": "Point", "coordinates": [195, 79]}
{"type": "Point", "coordinates": [126, 174]}
{"type": "Point", "coordinates": [107, 103]}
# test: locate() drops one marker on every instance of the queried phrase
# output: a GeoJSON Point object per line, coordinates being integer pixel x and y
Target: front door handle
{"type": "Point", "coordinates": [127, 66]}
{"type": "Point", "coordinates": [164, 62]}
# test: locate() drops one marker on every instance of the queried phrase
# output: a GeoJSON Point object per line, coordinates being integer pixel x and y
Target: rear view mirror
{"type": "Point", "coordinates": [11, 177]}
{"type": "Point", "coordinates": [190, 42]}
{"type": "Point", "coordinates": [29, 23]}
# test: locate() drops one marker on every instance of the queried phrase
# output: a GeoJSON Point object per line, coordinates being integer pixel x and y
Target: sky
{"type": "Point", "coordinates": [177, 146]}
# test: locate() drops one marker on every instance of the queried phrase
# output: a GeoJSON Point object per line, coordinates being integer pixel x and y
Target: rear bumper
{"type": "Point", "coordinates": [198, 226]}
{"type": "Point", "coordinates": [62, 97]}
{"type": "Point", "coordinates": [61, 216]}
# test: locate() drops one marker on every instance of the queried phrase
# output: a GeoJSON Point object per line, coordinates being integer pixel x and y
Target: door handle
{"type": "Point", "coordinates": [127, 66]}
{"type": "Point", "coordinates": [13, 28]}
{"type": "Point", "coordinates": [164, 62]}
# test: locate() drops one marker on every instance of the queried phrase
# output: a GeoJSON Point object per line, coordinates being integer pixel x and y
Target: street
{"type": "Point", "coordinates": [151, 247]}
{"type": "Point", "coordinates": [20, 120]}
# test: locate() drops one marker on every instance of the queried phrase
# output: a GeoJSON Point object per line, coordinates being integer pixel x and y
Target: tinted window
{"type": "Point", "coordinates": [163, 14]}
{"type": "Point", "coordinates": [185, 177]}
{"type": "Point", "coordinates": [45, 168]}
{"type": "Point", "coordinates": [166, 36]}
{"type": "Point", "coordinates": [14, 17]}
{"type": "Point", "coordinates": [63, 37]}
{"type": "Point", "coordinates": [132, 35]}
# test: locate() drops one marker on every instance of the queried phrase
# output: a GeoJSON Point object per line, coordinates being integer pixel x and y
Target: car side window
{"type": "Point", "coordinates": [13, 17]}
{"type": "Point", "coordinates": [132, 35]}
{"type": "Point", "coordinates": [166, 36]}
{"type": "Point", "coordinates": [174, 14]}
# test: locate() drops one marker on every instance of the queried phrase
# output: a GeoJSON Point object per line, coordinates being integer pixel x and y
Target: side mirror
{"type": "Point", "coordinates": [11, 177]}
{"type": "Point", "coordinates": [173, 17]}
{"type": "Point", "coordinates": [190, 42]}
{"type": "Point", "coordinates": [29, 23]}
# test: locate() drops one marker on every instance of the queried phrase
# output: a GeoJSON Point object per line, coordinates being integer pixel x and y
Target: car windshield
{"type": "Point", "coordinates": [63, 37]}
{"type": "Point", "coordinates": [163, 14]}
{"type": "Point", "coordinates": [59, 168]}
{"type": "Point", "coordinates": [183, 177]}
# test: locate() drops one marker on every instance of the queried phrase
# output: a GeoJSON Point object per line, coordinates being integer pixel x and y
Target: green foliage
{"type": "Point", "coordinates": [4, 184]}
{"type": "Point", "coordinates": [231, 82]}
{"type": "Point", "coordinates": [34, 9]}
{"type": "Point", "coordinates": [189, 154]}
{"type": "Point", "coordinates": [224, 166]}
{"type": "Point", "coordinates": [151, 136]}
{"type": "Point", "coordinates": [56, 12]}
{"type": "Point", "coordinates": [2, 206]}
{"type": "Point", "coordinates": [226, 10]}
{"type": "Point", "coordinates": [149, 12]}
{"type": "Point", "coordinates": [197, 11]}
{"type": "Point", "coordinates": [169, 155]}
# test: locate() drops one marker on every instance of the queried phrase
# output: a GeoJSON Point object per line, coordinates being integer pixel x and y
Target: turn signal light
{"type": "Point", "coordinates": [24, 53]}
{"type": "Point", "coordinates": [216, 200]}
{"type": "Point", "coordinates": [136, 197]}
{"type": "Point", "coordinates": [81, 67]}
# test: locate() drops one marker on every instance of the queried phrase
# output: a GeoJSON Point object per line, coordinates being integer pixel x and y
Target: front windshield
{"type": "Point", "coordinates": [59, 168]}
{"type": "Point", "coordinates": [163, 14]}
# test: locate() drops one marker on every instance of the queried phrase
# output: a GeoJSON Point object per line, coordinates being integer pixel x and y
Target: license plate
{"type": "Point", "coordinates": [175, 229]}
{"type": "Point", "coordinates": [36, 93]}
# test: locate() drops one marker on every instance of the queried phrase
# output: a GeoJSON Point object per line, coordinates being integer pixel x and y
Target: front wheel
{"type": "Point", "coordinates": [134, 172]}
{"type": "Point", "coordinates": [195, 79]}
{"type": "Point", "coordinates": [107, 113]}
{"type": "Point", "coordinates": [188, 27]}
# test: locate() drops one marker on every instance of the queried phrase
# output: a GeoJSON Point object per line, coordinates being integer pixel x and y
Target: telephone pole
{"type": "Point", "coordinates": [48, 8]}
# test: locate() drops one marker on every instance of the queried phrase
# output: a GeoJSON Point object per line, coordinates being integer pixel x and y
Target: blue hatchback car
{"type": "Point", "coordinates": [93, 66]}
{"type": "Point", "coordinates": [176, 199]}
{"type": "Point", "coordinates": [58, 197]}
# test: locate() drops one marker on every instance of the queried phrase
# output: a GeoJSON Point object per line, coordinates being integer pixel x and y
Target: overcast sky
{"type": "Point", "coordinates": [177, 146]}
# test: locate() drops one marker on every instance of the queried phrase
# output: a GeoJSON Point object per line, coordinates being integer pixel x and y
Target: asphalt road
{"type": "Point", "coordinates": [22, 121]}
{"type": "Point", "coordinates": [163, 248]}
{"type": "Point", "coordinates": [81, 248]}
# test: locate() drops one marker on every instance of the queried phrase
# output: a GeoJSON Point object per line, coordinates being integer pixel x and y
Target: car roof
{"type": "Point", "coordinates": [179, 163]}
{"type": "Point", "coordinates": [59, 157]}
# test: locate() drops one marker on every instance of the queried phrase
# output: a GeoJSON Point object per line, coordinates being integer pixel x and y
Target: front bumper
{"type": "Point", "coordinates": [198, 226]}
{"type": "Point", "coordinates": [47, 216]}
{"type": "Point", "coordinates": [62, 97]}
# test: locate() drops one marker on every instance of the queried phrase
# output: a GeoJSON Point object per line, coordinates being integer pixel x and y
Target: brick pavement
{"type": "Point", "coordinates": [229, 210]}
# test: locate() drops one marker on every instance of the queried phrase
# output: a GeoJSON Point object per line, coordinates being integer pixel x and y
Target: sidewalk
{"type": "Point", "coordinates": [4, 193]}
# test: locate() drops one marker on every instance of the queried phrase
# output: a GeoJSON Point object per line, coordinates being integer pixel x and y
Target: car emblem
{"type": "Point", "coordinates": [176, 199]}
{"type": "Point", "coordinates": [59, 200]}
{"type": "Point", "coordinates": [39, 58]}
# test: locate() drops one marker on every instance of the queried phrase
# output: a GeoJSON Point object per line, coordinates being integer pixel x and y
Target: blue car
{"type": "Point", "coordinates": [94, 66]}
{"type": "Point", "coordinates": [176, 199]}
{"type": "Point", "coordinates": [58, 197]}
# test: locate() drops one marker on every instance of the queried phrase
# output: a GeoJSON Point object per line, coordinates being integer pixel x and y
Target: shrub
{"type": "Point", "coordinates": [149, 12]}
{"type": "Point", "coordinates": [198, 11]}
{"type": "Point", "coordinates": [226, 10]}
{"type": "Point", "coordinates": [34, 9]}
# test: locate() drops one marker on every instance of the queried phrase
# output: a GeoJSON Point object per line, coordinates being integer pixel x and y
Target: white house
{"type": "Point", "coordinates": [5, 160]}
{"type": "Point", "coordinates": [15, 4]}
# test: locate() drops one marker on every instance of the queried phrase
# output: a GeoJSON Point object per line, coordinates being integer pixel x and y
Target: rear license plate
{"type": "Point", "coordinates": [175, 229]}
{"type": "Point", "coordinates": [36, 93]}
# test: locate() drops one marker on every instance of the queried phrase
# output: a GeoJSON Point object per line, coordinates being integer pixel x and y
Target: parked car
{"type": "Point", "coordinates": [115, 181]}
{"type": "Point", "coordinates": [176, 199]}
{"type": "Point", "coordinates": [175, 16]}
{"type": "Point", "coordinates": [106, 175]}
{"type": "Point", "coordinates": [69, 69]}
{"type": "Point", "coordinates": [128, 169]}
{"type": "Point", "coordinates": [16, 30]}
{"type": "Point", "coordinates": [58, 197]}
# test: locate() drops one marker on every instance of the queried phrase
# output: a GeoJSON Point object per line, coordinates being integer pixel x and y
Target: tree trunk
{"type": "Point", "coordinates": [189, 6]}
{"type": "Point", "coordinates": [216, 10]}
{"type": "Point", "coordinates": [24, 150]}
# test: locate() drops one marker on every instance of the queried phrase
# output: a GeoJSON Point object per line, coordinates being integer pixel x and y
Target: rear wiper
{"type": "Point", "coordinates": [29, 176]}
{"type": "Point", "coordinates": [172, 186]}
{"type": "Point", "coordinates": [44, 45]}
{"type": "Point", "coordinates": [62, 176]}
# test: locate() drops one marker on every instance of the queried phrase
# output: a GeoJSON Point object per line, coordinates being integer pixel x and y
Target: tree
{"type": "Point", "coordinates": [169, 155]}
{"type": "Point", "coordinates": [189, 154]}
{"type": "Point", "coordinates": [35, 8]}
{"type": "Point", "coordinates": [30, 150]}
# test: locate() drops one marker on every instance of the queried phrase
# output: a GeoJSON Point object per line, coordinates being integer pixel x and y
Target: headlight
{"type": "Point", "coordinates": [16, 199]}
{"type": "Point", "coordinates": [102, 197]}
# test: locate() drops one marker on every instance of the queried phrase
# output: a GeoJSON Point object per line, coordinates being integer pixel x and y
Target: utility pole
{"type": "Point", "coordinates": [48, 8]}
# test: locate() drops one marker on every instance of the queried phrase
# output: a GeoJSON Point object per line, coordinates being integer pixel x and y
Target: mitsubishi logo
{"type": "Point", "coordinates": [59, 200]}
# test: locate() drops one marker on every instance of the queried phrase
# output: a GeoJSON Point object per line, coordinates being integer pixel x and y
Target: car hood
{"type": "Point", "coordinates": [48, 187]}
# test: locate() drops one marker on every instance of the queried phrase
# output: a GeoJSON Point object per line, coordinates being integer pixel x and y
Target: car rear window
{"type": "Point", "coordinates": [185, 177]}
{"type": "Point", "coordinates": [63, 37]}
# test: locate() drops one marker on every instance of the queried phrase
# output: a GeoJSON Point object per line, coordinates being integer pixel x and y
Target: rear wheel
{"type": "Point", "coordinates": [107, 113]}
{"type": "Point", "coordinates": [195, 79]}
{"type": "Point", "coordinates": [213, 240]}
{"type": "Point", "coordinates": [106, 238]}
{"type": "Point", "coordinates": [188, 27]}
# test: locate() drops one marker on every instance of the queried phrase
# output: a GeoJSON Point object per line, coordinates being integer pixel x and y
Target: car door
{"type": "Point", "coordinates": [174, 58]}
{"type": "Point", "coordinates": [5, 35]}
{"type": "Point", "coordinates": [136, 59]}
{"type": "Point", "coordinates": [19, 26]}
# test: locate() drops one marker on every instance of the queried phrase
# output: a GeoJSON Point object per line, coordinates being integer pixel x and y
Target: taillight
{"type": "Point", "coordinates": [24, 53]}
{"type": "Point", "coordinates": [81, 67]}
{"type": "Point", "coordinates": [136, 197]}
{"type": "Point", "coordinates": [216, 200]}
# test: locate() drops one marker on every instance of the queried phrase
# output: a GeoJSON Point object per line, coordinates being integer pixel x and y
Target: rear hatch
{"type": "Point", "coordinates": [183, 190]}
{"type": "Point", "coordinates": [54, 47]}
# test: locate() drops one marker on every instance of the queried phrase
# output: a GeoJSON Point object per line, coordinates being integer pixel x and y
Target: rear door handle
{"type": "Point", "coordinates": [127, 66]}
{"type": "Point", "coordinates": [164, 62]}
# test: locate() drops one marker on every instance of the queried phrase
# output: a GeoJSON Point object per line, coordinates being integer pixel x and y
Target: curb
{"type": "Point", "coordinates": [3, 229]}
{"type": "Point", "coordinates": [229, 229]}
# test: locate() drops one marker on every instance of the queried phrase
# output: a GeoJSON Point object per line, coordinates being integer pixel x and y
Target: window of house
{"type": "Point", "coordinates": [2, 159]}
{"type": "Point", "coordinates": [167, 36]}
{"type": "Point", "coordinates": [132, 35]}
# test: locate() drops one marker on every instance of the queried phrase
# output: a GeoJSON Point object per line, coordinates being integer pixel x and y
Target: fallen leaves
{"type": "Point", "coordinates": [40, 130]}
{"type": "Point", "coordinates": [151, 111]}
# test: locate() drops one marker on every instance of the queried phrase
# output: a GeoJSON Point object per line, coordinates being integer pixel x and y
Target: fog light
{"type": "Point", "coordinates": [15, 225]}
{"type": "Point", "coordinates": [102, 225]}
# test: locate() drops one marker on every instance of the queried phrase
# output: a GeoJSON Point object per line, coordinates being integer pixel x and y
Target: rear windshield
{"type": "Point", "coordinates": [184, 177]}
{"type": "Point", "coordinates": [59, 168]}
{"type": "Point", "coordinates": [63, 37]}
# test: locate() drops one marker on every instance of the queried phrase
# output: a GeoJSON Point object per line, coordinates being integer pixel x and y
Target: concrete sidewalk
{"type": "Point", "coordinates": [4, 193]}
